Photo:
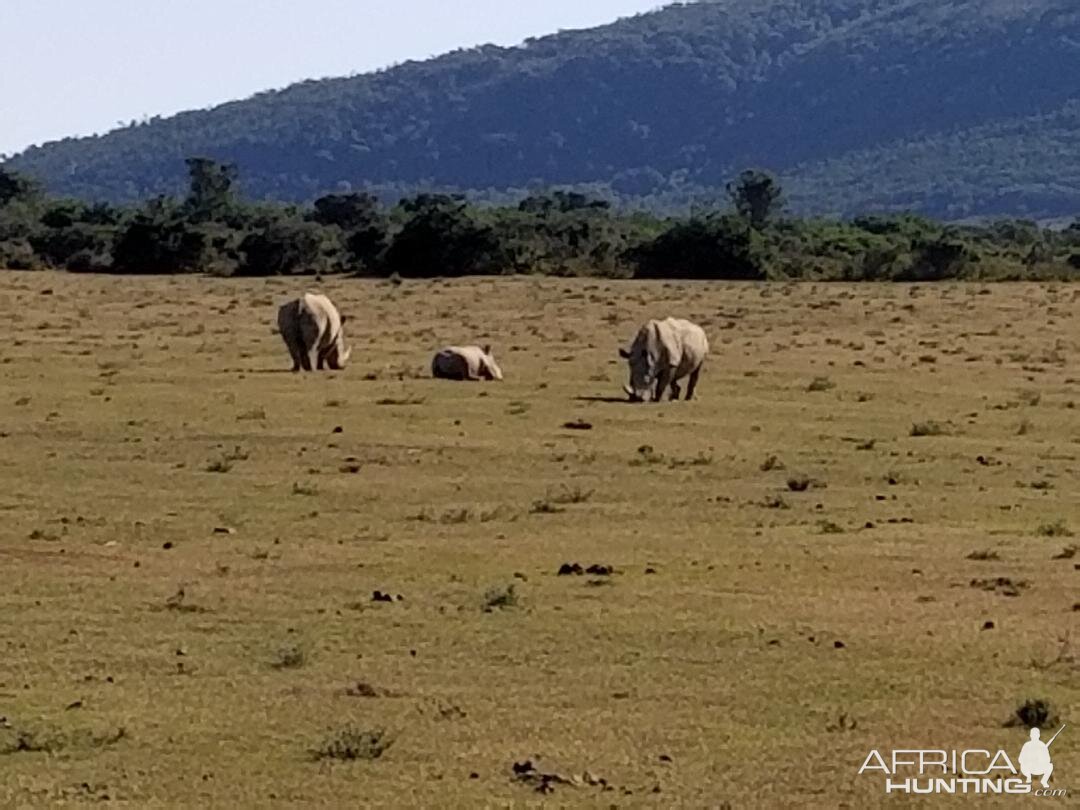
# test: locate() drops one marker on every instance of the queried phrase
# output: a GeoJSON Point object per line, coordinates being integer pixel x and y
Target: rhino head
{"type": "Point", "coordinates": [642, 371]}
{"type": "Point", "coordinates": [338, 355]}
{"type": "Point", "coordinates": [489, 369]}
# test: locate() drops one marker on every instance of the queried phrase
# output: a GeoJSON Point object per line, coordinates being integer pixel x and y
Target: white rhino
{"type": "Point", "coordinates": [311, 327]}
{"type": "Point", "coordinates": [662, 354]}
{"type": "Point", "coordinates": [465, 363]}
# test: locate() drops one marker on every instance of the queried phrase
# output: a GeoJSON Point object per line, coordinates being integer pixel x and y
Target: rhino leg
{"type": "Point", "coordinates": [662, 382]}
{"type": "Point", "coordinates": [307, 358]}
{"type": "Point", "coordinates": [292, 343]}
{"type": "Point", "coordinates": [295, 354]}
{"type": "Point", "coordinates": [692, 384]}
{"type": "Point", "coordinates": [309, 335]}
{"type": "Point", "coordinates": [675, 391]}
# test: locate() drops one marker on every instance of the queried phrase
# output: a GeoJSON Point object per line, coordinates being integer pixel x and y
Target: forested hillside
{"type": "Point", "coordinates": [953, 108]}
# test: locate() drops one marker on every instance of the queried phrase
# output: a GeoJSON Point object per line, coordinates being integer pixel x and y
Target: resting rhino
{"type": "Point", "coordinates": [663, 353]}
{"type": "Point", "coordinates": [311, 328]}
{"type": "Point", "coordinates": [465, 363]}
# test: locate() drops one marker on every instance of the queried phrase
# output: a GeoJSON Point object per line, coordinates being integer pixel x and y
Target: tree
{"type": "Point", "coordinates": [365, 227]}
{"type": "Point", "coordinates": [716, 247]}
{"type": "Point", "coordinates": [936, 260]}
{"type": "Point", "coordinates": [443, 238]}
{"type": "Point", "coordinates": [347, 211]}
{"type": "Point", "coordinates": [756, 196]}
{"type": "Point", "coordinates": [159, 240]}
{"type": "Point", "coordinates": [282, 248]}
{"type": "Point", "coordinates": [561, 201]}
{"type": "Point", "coordinates": [14, 186]}
{"type": "Point", "coordinates": [76, 246]}
{"type": "Point", "coordinates": [210, 192]}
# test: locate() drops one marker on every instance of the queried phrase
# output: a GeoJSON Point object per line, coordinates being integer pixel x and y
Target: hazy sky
{"type": "Point", "coordinates": [75, 67]}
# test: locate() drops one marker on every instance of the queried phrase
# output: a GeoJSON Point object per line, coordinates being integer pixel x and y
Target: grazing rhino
{"type": "Point", "coordinates": [311, 328]}
{"type": "Point", "coordinates": [465, 363]}
{"type": "Point", "coordinates": [662, 354]}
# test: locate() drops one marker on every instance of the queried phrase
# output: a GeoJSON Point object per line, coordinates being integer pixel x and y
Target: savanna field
{"type": "Point", "coordinates": [860, 535]}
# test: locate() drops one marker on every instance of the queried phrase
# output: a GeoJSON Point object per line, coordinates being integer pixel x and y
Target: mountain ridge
{"type": "Point", "coordinates": [660, 109]}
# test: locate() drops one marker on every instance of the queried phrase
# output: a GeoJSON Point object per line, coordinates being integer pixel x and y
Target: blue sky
{"type": "Point", "coordinates": [75, 67]}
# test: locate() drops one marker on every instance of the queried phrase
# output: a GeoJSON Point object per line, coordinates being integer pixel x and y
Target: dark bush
{"type": "Point", "coordinates": [936, 260]}
{"type": "Point", "coordinates": [442, 237]}
{"type": "Point", "coordinates": [286, 247]}
{"type": "Point", "coordinates": [716, 247]}
{"type": "Point", "coordinates": [158, 241]}
{"type": "Point", "coordinates": [56, 246]}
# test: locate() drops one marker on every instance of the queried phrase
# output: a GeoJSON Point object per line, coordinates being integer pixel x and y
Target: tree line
{"type": "Point", "coordinates": [211, 229]}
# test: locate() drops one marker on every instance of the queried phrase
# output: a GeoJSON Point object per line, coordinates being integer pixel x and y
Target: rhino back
{"type": "Point", "coordinates": [324, 315]}
{"type": "Point", "coordinates": [693, 343]}
{"type": "Point", "coordinates": [454, 362]}
{"type": "Point", "coordinates": [288, 315]}
{"type": "Point", "coordinates": [683, 345]}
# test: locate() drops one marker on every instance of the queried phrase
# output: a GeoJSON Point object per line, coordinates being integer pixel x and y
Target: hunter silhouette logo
{"type": "Point", "coordinates": [1035, 757]}
{"type": "Point", "coordinates": [971, 771]}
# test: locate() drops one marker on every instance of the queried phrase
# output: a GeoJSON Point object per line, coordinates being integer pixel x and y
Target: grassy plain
{"type": "Point", "coordinates": [191, 537]}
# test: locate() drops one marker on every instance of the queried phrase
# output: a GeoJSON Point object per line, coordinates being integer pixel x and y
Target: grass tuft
{"type": "Point", "coordinates": [351, 744]}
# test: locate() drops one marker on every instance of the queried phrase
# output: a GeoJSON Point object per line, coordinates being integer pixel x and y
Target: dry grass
{"type": "Point", "coordinates": [713, 668]}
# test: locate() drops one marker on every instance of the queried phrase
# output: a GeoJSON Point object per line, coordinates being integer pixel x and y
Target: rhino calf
{"type": "Point", "coordinates": [311, 328]}
{"type": "Point", "coordinates": [465, 363]}
{"type": "Point", "coordinates": [662, 354]}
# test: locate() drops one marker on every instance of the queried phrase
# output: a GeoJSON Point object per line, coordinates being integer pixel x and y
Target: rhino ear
{"type": "Point", "coordinates": [624, 354]}
{"type": "Point", "coordinates": [487, 348]}
{"type": "Point", "coordinates": [343, 319]}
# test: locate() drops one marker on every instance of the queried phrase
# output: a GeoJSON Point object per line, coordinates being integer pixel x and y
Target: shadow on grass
{"type": "Point", "coordinates": [607, 400]}
{"type": "Point", "coordinates": [278, 370]}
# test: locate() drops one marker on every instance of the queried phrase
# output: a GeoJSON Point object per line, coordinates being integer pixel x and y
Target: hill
{"type": "Point", "coordinates": [953, 108]}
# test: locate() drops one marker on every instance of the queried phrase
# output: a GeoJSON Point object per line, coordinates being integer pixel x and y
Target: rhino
{"type": "Point", "coordinates": [465, 363]}
{"type": "Point", "coordinates": [311, 328]}
{"type": "Point", "coordinates": [662, 354]}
